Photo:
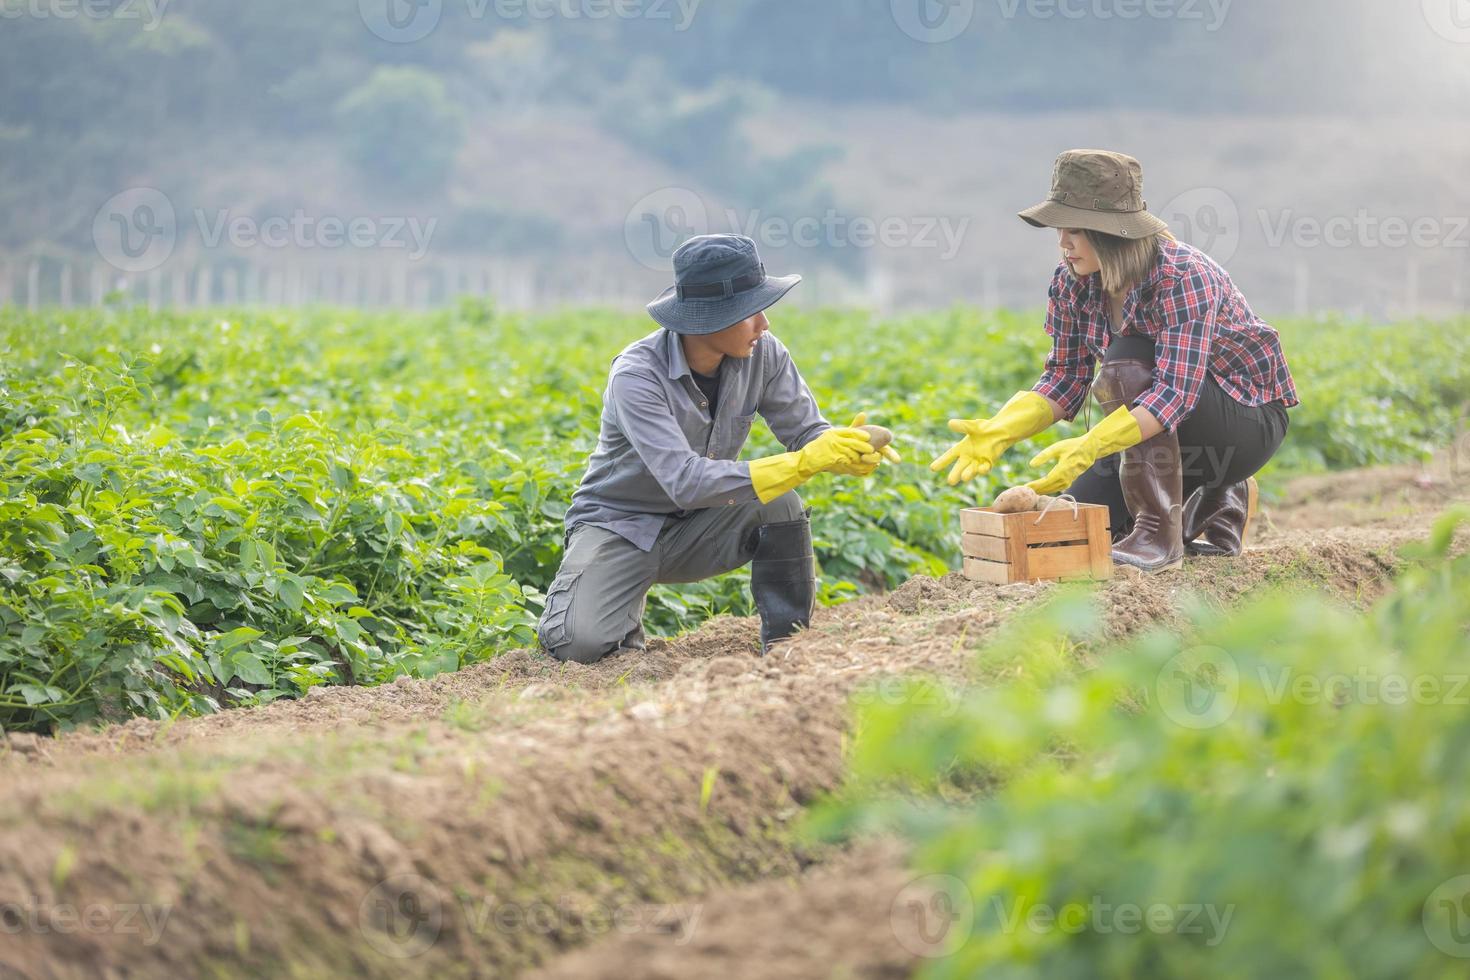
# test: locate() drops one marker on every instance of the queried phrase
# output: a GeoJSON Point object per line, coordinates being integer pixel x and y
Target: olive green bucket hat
{"type": "Point", "coordinates": [1097, 190]}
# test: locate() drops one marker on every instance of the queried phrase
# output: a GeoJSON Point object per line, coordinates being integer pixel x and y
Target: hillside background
{"type": "Point", "coordinates": [537, 154]}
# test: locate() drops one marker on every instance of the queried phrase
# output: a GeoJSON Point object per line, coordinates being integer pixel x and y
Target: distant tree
{"type": "Point", "coordinates": [401, 127]}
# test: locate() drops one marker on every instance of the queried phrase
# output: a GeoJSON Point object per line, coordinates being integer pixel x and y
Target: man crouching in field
{"type": "Point", "coordinates": [664, 498]}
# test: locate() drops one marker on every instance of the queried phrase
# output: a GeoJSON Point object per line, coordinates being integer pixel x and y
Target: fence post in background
{"type": "Point", "coordinates": [6, 285]}
{"type": "Point", "coordinates": [525, 287]}
{"type": "Point", "coordinates": [1303, 290]}
{"type": "Point", "coordinates": [399, 279]}
{"type": "Point", "coordinates": [64, 296]}
{"type": "Point", "coordinates": [1411, 288]}
{"type": "Point", "coordinates": [204, 285]}
{"type": "Point", "coordinates": [1457, 287]}
{"type": "Point", "coordinates": [879, 298]}
{"type": "Point", "coordinates": [296, 285]}
{"type": "Point", "coordinates": [33, 284]}
{"type": "Point", "coordinates": [352, 291]}
{"type": "Point", "coordinates": [495, 283]}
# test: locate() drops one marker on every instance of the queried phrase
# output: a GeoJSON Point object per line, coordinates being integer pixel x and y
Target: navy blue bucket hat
{"type": "Point", "coordinates": [718, 281]}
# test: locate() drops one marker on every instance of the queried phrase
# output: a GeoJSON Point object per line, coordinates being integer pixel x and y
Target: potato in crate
{"type": "Point", "coordinates": [1066, 540]}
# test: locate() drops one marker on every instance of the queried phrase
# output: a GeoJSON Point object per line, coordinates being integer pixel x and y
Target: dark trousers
{"type": "Point", "coordinates": [1221, 442]}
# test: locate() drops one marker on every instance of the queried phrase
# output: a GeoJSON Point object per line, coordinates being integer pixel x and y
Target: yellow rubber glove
{"type": "Point", "coordinates": [1072, 457]}
{"type": "Point", "coordinates": [775, 475]}
{"type": "Point", "coordinates": [868, 464]}
{"type": "Point", "coordinates": [1026, 414]}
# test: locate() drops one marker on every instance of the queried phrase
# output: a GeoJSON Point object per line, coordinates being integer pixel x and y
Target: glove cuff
{"type": "Point", "coordinates": [1117, 432]}
{"type": "Point", "coordinates": [1026, 414]}
{"type": "Point", "coordinates": [773, 476]}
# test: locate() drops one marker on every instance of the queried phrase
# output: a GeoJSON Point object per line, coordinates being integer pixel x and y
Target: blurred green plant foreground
{"type": "Point", "coordinates": [207, 509]}
{"type": "Point", "coordinates": [1287, 797]}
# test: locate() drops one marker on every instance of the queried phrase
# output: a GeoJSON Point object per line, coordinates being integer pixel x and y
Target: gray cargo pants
{"type": "Point", "coordinates": [595, 603]}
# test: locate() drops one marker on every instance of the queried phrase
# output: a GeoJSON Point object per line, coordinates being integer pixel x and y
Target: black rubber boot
{"type": "Point", "coordinates": [783, 579]}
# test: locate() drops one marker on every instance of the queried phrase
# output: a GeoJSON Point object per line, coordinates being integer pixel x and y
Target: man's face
{"type": "Point", "coordinates": [741, 339]}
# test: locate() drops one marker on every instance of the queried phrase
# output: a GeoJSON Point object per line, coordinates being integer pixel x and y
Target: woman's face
{"type": "Point", "coordinates": [1078, 252]}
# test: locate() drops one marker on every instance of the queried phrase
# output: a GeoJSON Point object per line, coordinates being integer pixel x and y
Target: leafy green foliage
{"type": "Point", "coordinates": [1294, 783]}
{"type": "Point", "coordinates": [202, 509]}
{"type": "Point", "coordinates": [401, 126]}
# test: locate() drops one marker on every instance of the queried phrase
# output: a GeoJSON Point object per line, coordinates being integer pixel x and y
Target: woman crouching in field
{"type": "Point", "coordinates": [1194, 387]}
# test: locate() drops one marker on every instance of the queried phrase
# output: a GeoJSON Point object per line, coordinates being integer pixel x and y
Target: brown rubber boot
{"type": "Point", "coordinates": [1217, 520]}
{"type": "Point", "coordinates": [1151, 474]}
{"type": "Point", "coordinates": [1153, 487]}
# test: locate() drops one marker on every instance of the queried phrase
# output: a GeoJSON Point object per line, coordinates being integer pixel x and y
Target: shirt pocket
{"type": "Point", "coordinates": [740, 426]}
{"type": "Point", "coordinates": [554, 630]}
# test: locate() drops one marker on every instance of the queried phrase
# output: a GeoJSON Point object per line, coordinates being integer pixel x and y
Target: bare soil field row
{"type": "Point", "coordinates": [636, 817]}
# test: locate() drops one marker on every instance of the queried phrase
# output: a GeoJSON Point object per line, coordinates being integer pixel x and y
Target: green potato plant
{"type": "Point", "coordinates": [200, 509]}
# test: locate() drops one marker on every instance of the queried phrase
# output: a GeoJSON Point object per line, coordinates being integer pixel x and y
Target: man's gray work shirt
{"type": "Point", "coordinates": [661, 454]}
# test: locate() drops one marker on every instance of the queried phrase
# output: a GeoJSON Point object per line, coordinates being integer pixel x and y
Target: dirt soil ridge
{"type": "Point", "coordinates": [506, 816]}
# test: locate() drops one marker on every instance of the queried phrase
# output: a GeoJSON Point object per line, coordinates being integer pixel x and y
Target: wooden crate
{"type": "Point", "coordinates": [1006, 548]}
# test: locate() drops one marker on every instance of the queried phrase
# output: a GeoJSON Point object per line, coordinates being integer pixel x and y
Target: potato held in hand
{"type": "Point", "coordinates": [877, 435]}
{"type": "Point", "coordinates": [1015, 500]}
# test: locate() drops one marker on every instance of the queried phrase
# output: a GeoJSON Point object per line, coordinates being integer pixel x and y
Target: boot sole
{"type": "Point", "coordinates": [1129, 567]}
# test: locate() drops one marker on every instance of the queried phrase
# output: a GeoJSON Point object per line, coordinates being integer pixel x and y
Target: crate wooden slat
{"type": "Point", "coordinates": [994, 572]}
{"type": "Point", "coordinates": [1054, 563]}
{"type": "Point", "coordinates": [984, 546]}
{"type": "Point", "coordinates": [1030, 546]}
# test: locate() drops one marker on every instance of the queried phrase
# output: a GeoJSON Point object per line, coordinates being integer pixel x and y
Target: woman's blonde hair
{"type": "Point", "coordinates": [1125, 261]}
